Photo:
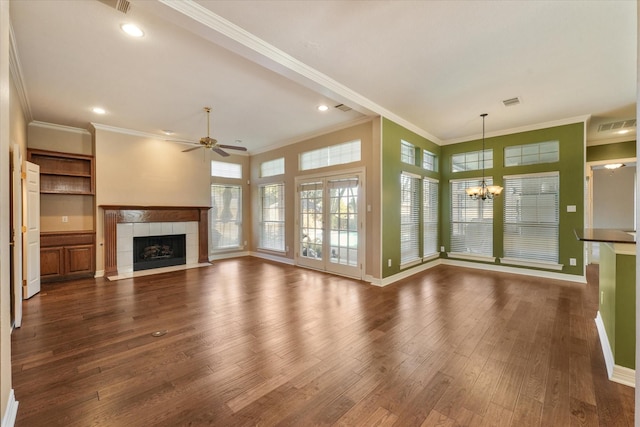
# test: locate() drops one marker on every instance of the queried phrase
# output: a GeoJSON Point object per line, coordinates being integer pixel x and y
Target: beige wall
{"type": "Point", "coordinates": [139, 171]}
{"type": "Point", "coordinates": [369, 135]}
{"type": "Point", "coordinates": [46, 136]}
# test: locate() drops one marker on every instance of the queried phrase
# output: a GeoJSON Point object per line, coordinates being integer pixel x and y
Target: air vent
{"type": "Point", "coordinates": [343, 107]}
{"type": "Point", "coordinates": [511, 102]}
{"type": "Point", "coordinates": [119, 5]}
{"type": "Point", "coordinates": [622, 124]}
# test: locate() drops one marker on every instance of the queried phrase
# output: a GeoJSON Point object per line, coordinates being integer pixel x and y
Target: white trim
{"type": "Point", "coordinates": [533, 264]}
{"type": "Point", "coordinates": [272, 257]}
{"type": "Point", "coordinates": [528, 128]}
{"type": "Point", "coordinates": [9, 417]}
{"type": "Point", "coordinates": [410, 263]}
{"type": "Point", "coordinates": [472, 178]}
{"type": "Point", "coordinates": [63, 128]}
{"type": "Point", "coordinates": [403, 274]}
{"type": "Point", "coordinates": [604, 343]}
{"type": "Point", "coordinates": [515, 270]}
{"type": "Point", "coordinates": [133, 132]}
{"type": "Point", "coordinates": [284, 64]}
{"type": "Point", "coordinates": [616, 373]}
{"type": "Point", "coordinates": [613, 140]}
{"type": "Point", "coordinates": [471, 257]}
{"type": "Point", "coordinates": [218, 256]}
{"type": "Point", "coordinates": [431, 257]}
{"type": "Point", "coordinates": [99, 273]}
{"type": "Point", "coordinates": [15, 69]}
{"type": "Point", "coordinates": [531, 175]}
{"type": "Point", "coordinates": [411, 174]}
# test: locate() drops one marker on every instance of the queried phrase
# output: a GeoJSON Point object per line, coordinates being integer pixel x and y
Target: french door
{"type": "Point", "coordinates": [329, 228]}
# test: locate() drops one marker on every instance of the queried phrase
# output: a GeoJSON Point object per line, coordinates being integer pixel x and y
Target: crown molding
{"type": "Point", "coordinates": [53, 126]}
{"type": "Point", "coordinates": [284, 64]}
{"type": "Point", "coordinates": [15, 69]}
{"type": "Point", "coordinates": [527, 128]}
{"type": "Point", "coordinates": [613, 140]}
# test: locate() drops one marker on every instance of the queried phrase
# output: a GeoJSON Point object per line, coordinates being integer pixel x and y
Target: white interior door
{"type": "Point", "coordinates": [16, 235]}
{"type": "Point", "coordinates": [31, 230]}
{"type": "Point", "coordinates": [329, 229]}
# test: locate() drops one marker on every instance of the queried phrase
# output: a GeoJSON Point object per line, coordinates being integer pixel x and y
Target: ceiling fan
{"type": "Point", "coordinates": [212, 143]}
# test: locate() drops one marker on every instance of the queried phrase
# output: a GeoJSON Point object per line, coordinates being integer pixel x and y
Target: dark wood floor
{"type": "Point", "coordinates": [251, 342]}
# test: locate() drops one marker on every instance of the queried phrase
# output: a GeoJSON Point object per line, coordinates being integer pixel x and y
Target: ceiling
{"type": "Point", "coordinates": [264, 66]}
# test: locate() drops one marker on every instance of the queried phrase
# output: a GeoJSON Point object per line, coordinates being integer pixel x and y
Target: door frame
{"type": "Point", "coordinates": [327, 176]}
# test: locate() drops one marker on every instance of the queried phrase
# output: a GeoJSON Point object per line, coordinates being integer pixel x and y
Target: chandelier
{"type": "Point", "coordinates": [484, 191]}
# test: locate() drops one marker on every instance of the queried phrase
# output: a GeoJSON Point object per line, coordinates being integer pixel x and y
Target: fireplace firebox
{"type": "Point", "coordinates": [159, 251]}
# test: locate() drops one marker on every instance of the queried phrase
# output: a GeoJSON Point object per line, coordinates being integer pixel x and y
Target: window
{"type": "Point", "coordinates": [531, 217]}
{"type": "Point", "coordinates": [272, 217]}
{"type": "Point", "coordinates": [471, 220]}
{"type": "Point", "coordinates": [429, 217]}
{"type": "Point", "coordinates": [225, 216]}
{"type": "Point", "coordinates": [429, 161]}
{"type": "Point", "coordinates": [339, 154]}
{"type": "Point", "coordinates": [530, 154]}
{"type": "Point", "coordinates": [226, 170]}
{"type": "Point", "coordinates": [272, 167]}
{"type": "Point", "coordinates": [409, 218]}
{"type": "Point", "coordinates": [471, 161]}
{"type": "Point", "coordinates": [407, 153]}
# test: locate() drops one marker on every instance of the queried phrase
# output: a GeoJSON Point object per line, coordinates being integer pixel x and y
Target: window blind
{"type": "Point", "coordinates": [531, 217]}
{"type": "Point", "coordinates": [471, 220]}
{"type": "Point", "coordinates": [225, 216]}
{"type": "Point", "coordinates": [272, 217]}
{"type": "Point", "coordinates": [429, 217]}
{"type": "Point", "coordinates": [409, 218]}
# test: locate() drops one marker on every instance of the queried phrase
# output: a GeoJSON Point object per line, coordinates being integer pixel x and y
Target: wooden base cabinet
{"type": "Point", "coordinates": [67, 255]}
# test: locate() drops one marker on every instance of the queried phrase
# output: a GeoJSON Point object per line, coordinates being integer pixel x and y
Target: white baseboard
{"type": "Point", "coordinates": [228, 255]}
{"type": "Point", "coordinates": [616, 373]}
{"type": "Point", "coordinates": [515, 270]}
{"type": "Point", "coordinates": [272, 257]}
{"type": "Point", "coordinates": [99, 273]}
{"type": "Point", "coordinates": [403, 274]}
{"type": "Point", "coordinates": [9, 418]}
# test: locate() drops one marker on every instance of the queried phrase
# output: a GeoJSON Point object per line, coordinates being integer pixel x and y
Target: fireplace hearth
{"type": "Point", "coordinates": [159, 251]}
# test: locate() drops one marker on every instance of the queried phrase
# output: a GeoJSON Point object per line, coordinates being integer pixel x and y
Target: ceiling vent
{"type": "Point", "coordinates": [511, 102]}
{"type": "Point", "coordinates": [119, 5]}
{"type": "Point", "coordinates": [622, 124]}
{"type": "Point", "coordinates": [343, 107]}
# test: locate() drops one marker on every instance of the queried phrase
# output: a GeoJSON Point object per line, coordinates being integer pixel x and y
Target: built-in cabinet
{"type": "Point", "coordinates": [67, 254]}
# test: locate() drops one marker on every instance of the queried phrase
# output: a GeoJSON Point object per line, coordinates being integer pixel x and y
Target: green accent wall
{"type": "Point", "coordinates": [617, 303]}
{"type": "Point", "coordinates": [619, 150]}
{"type": "Point", "coordinates": [392, 167]}
{"type": "Point", "coordinates": [570, 168]}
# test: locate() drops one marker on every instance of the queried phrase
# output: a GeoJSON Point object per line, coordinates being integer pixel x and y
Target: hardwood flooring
{"type": "Point", "coordinates": [250, 342]}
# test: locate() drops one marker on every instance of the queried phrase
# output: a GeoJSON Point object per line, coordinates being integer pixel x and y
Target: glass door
{"type": "Point", "coordinates": [329, 226]}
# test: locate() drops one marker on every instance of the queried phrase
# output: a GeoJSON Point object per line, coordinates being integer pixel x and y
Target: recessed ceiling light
{"type": "Point", "coordinates": [132, 30]}
{"type": "Point", "coordinates": [623, 131]}
{"type": "Point", "coordinates": [98, 110]}
{"type": "Point", "coordinates": [322, 108]}
{"type": "Point", "coordinates": [612, 166]}
{"type": "Point", "coordinates": [167, 132]}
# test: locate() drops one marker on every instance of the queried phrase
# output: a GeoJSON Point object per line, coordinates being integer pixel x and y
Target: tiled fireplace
{"type": "Point", "coordinates": [123, 223]}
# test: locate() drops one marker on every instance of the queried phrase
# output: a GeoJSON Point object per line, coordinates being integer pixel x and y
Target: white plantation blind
{"type": "Point", "coordinates": [409, 218]}
{"type": "Point", "coordinates": [471, 220]}
{"type": "Point", "coordinates": [225, 216]}
{"type": "Point", "coordinates": [272, 217]}
{"type": "Point", "coordinates": [531, 216]}
{"type": "Point", "coordinates": [272, 167]}
{"type": "Point", "coordinates": [429, 217]}
{"type": "Point", "coordinates": [226, 170]}
{"type": "Point", "coordinates": [338, 154]}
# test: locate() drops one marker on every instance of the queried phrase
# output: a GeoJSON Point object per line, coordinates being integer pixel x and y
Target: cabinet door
{"type": "Point", "coordinates": [51, 262]}
{"type": "Point", "coordinates": [79, 259]}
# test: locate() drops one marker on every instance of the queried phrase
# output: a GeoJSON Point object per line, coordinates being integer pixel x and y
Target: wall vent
{"type": "Point", "coordinates": [119, 5]}
{"type": "Point", "coordinates": [511, 101]}
{"type": "Point", "coordinates": [343, 107]}
{"type": "Point", "coordinates": [622, 124]}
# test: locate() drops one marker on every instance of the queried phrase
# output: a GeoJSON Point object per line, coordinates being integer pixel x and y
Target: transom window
{"type": "Point", "coordinates": [226, 170]}
{"type": "Point", "coordinates": [272, 167]}
{"type": "Point", "coordinates": [472, 161]}
{"type": "Point", "coordinates": [338, 154]}
{"type": "Point", "coordinates": [407, 152]}
{"type": "Point", "coordinates": [429, 161]}
{"type": "Point", "coordinates": [530, 154]}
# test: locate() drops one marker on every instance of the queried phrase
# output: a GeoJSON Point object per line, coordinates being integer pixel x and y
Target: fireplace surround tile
{"type": "Point", "coordinates": [141, 229]}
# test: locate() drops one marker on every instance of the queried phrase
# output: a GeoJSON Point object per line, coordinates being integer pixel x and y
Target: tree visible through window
{"type": "Point", "coordinates": [225, 217]}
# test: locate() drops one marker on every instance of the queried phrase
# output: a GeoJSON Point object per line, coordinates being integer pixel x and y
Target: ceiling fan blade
{"type": "Point", "coordinates": [191, 149]}
{"type": "Point", "coordinates": [221, 152]}
{"type": "Point", "coordinates": [232, 147]}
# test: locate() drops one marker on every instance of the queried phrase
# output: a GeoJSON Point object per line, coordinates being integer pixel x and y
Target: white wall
{"type": "Point", "coordinates": [614, 198]}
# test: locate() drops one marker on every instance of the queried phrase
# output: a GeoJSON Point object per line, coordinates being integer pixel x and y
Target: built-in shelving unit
{"type": "Point", "coordinates": [64, 173]}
